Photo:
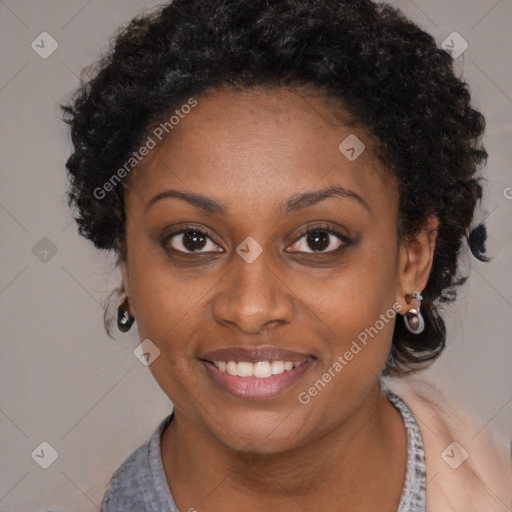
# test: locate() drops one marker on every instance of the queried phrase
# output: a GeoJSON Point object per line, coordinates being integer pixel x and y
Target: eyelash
{"type": "Point", "coordinates": [204, 232]}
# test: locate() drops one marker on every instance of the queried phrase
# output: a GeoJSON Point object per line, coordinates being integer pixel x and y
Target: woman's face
{"type": "Point", "coordinates": [255, 284]}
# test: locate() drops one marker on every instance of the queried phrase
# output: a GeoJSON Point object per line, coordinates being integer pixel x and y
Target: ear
{"type": "Point", "coordinates": [415, 262]}
{"type": "Point", "coordinates": [126, 282]}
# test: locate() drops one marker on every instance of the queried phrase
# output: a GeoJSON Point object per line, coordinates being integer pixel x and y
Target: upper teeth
{"type": "Point", "coordinates": [261, 369]}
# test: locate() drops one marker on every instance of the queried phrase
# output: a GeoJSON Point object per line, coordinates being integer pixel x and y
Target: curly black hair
{"type": "Point", "coordinates": [385, 70]}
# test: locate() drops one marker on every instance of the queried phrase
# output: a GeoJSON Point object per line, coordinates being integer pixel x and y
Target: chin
{"type": "Point", "coordinates": [261, 431]}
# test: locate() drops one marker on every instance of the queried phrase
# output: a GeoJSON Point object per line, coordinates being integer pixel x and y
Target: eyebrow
{"type": "Point", "coordinates": [294, 203]}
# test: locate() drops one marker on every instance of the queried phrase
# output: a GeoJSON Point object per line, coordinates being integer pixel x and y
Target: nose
{"type": "Point", "coordinates": [253, 297]}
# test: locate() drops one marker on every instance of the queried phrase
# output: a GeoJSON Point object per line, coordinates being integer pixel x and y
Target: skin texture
{"type": "Point", "coordinates": [252, 151]}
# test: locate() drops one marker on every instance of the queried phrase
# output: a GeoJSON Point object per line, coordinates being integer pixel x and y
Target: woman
{"type": "Point", "coordinates": [287, 186]}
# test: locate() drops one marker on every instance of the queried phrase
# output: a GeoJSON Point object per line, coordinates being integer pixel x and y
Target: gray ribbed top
{"type": "Point", "coordinates": [413, 495]}
{"type": "Point", "coordinates": [140, 484]}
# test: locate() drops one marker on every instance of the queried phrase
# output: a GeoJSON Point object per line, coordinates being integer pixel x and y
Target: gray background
{"type": "Point", "coordinates": [62, 380]}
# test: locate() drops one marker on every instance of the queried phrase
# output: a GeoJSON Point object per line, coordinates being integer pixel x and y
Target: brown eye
{"type": "Point", "coordinates": [318, 240]}
{"type": "Point", "coordinates": [191, 240]}
{"type": "Point", "coordinates": [321, 240]}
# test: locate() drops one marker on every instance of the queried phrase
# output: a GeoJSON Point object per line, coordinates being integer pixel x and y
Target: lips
{"type": "Point", "coordinates": [254, 354]}
{"type": "Point", "coordinates": [245, 372]}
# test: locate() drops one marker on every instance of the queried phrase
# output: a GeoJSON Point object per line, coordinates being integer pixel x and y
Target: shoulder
{"type": "Point", "coordinates": [139, 484]}
{"type": "Point", "coordinates": [126, 487]}
{"type": "Point", "coordinates": [468, 466]}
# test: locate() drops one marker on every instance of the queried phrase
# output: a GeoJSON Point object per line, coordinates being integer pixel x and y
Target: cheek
{"type": "Point", "coordinates": [354, 295]}
{"type": "Point", "coordinates": [168, 311]}
{"type": "Point", "coordinates": [360, 334]}
{"type": "Point", "coordinates": [354, 310]}
{"type": "Point", "coordinates": [167, 301]}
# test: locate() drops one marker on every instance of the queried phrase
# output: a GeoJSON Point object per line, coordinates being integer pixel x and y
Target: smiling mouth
{"type": "Point", "coordinates": [256, 380]}
{"type": "Point", "coordinates": [260, 369]}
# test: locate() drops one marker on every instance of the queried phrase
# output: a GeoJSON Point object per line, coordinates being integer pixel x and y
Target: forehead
{"type": "Point", "coordinates": [260, 147]}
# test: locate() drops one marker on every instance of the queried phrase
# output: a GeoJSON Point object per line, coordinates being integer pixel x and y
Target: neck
{"type": "Point", "coordinates": [350, 463]}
